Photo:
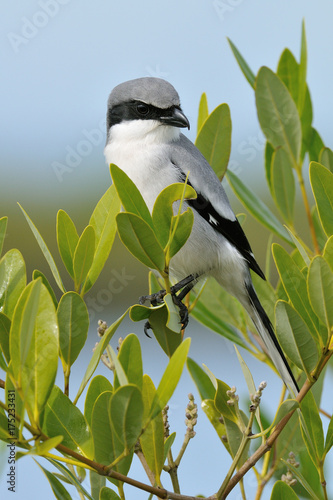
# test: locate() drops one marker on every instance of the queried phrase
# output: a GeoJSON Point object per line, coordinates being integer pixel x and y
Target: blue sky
{"type": "Point", "coordinates": [61, 58]}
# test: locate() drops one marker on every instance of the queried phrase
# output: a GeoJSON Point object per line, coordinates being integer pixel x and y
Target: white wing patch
{"type": "Point", "coordinates": [212, 220]}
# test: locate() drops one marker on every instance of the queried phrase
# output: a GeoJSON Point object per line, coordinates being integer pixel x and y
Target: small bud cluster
{"type": "Point", "coordinates": [191, 415]}
{"type": "Point", "coordinates": [256, 398]}
{"type": "Point", "coordinates": [289, 478]}
{"type": "Point", "coordinates": [166, 421]}
{"type": "Point", "coordinates": [120, 341]}
{"type": "Point", "coordinates": [233, 396]}
{"type": "Point", "coordinates": [102, 327]}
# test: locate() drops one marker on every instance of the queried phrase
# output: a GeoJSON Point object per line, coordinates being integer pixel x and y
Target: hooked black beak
{"type": "Point", "coordinates": [176, 119]}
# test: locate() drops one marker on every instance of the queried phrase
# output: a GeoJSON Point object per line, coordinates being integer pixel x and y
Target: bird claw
{"type": "Point", "coordinates": [154, 298]}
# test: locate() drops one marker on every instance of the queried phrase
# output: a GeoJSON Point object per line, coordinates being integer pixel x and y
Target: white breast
{"type": "Point", "coordinates": [138, 147]}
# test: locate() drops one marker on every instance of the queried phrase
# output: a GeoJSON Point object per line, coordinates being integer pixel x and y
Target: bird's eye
{"type": "Point", "coordinates": [142, 108]}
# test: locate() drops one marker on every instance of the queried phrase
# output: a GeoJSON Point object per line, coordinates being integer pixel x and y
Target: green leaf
{"type": "Point", "coordinates": [247, 72]}
{"type": "Point", "coordinates": [100, 348]}
{"type": "Point", "coordinates": [320, 285]}
{"type": "Point", "coordinates": [295, 337]}
{"type": "Point", "coordinates": [288, 72]}
{"type": "Point", "coordinates": [201, 379]}
{"type": "Point", "coordinates": [38, 274]}
{"type": "Point", "coordinates": [34, 346]}
{"type": "Point", "coordinates": [315, 144]}
{"type": "Point", "coordinates": [257, 208]}
{"type": "Point", "coordinates": [73, 320]}
{"type": "Point", "coordinates": [329, 437]}
{"type": "Point", "coordinates": [84, 256]}
{"type": "Point", "coordinates": [58, 488]}
{"type": "Point", "coordinates": [63, 418]}
{"type": "Point", "coordinates": [119, 370]}
{"type": "Point", "coordinates": [203, 111]}
{"type": "Point", "coordinates": [320, 233]}
{"type": "Point", "coordinates": [282, 491]}
{"type": "Point", "coordinates": [108, 494]}
{"type": "Point", "coordinates": [302, 71]}
{"type": "Point", "coordinates": [103, 220]}
{"type": "Point", "coordinates": [97, 482]}
{"type": "Point", "coordinates": [167, 445]}
{"type": "Point", "coordinates": [283, 184]}
{"type": "Point", "coordinates": [220, 312]}
{"type": "Point", "coordinates": [45, 250]}
{"type": "Point", "coordinates": [235, 437]}
{"type": "Point", "coordinates": [312, 428]}
{"type": "Point", "coordinates": [3, 227]}
{"type": "Point", "coordinates": [152, 439]}
{"type": "Point", "coordinates": [322, 186]}
{"type": "Point", "coordinates": [285, 407]}
{"type": "Point", "coordinates": [129, 195]}
{"type": "Point", "coordinates": [12, 280]}
{"type": "Point", "coordinates": [183, 230]}
{"type": "Point", "coordinates": [42, 448]}
{"type": "Point", "coordinates": [214, 139]}
{"type": "Point", "coordinates": [67, 239]}
{"type": "Point", "coordinates": [69, 477]}
{"type": "Point", "coordinates": [278, 115]}
{"type": "Point", "coordinates": [170, 378]}
{"type": "Point", "coordinates": [295, 286]}
{"type": "Point", "coordinates": [131, 361]}
{"type": "Point", "coordinates": [296, 472]}
{"type": "Point", "coordinates": [269, 150]}
{"type": "Point", "coordinates": [328, 252]}
{"type": "Point", "coordinates": [173, 322]}
{"type": "Point", "coordinates": [108, 446]}
{"type": "Point", "coordinates": [140, 240]}
{"type": "Point", "coordinates": [163, 209]}
{"type": "Point", "coordinates": [214, 416]}
{"type": "Point", "coordinates": [4, 335]}
{"type": "Point", "coordinates": [300, 247]}
{"type": "Point", "coordinates": [247, 374]}
{"type": "Point", "coordinates": [126, 412]}
{"type": "Point", "coordinates": [326, 158]}
{"type": "Point", "coordinates": [98, 385]}
{"type": "Point", "coordinates": [168, 339]}
{"type": "Point", "coordinates": [221, 399]}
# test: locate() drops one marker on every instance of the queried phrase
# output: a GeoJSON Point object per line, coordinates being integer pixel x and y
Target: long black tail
{"type": "Point", "coordinates": [266, 332]}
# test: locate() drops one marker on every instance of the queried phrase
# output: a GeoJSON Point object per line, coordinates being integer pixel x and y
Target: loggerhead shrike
{"type": "Point", "coordinates": [144, 118]}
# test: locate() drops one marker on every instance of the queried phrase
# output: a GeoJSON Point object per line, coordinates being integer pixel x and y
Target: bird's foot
{"type": "Point", "coordinates": [183, 286]}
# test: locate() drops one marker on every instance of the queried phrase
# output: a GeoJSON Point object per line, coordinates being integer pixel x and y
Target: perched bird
{"type": "Point", "coordinates": [144, 119]}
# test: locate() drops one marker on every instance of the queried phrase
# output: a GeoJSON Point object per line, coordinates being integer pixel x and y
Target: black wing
{"type": "Point", "coordinates": [230, 229]}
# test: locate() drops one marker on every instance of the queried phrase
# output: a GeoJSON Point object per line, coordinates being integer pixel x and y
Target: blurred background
{"type": "Point", "coordinates": [60, 59]}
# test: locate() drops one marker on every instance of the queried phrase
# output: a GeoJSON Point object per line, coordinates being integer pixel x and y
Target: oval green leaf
{"type": "Point", "coordinates": [126, 413]}
{"type": "Point", "coordinates": [170, 378]}
{"type": "Point", "coordinates": [103, 220]}
{"type": "Point", "coordinates": [257, 208]}
{"type": "Point", "coordinates": [129, 195]}
{"type": "Point", "coordinates": [295, 337]}
{"type": "Point", "coordinates": [203, 111]}
{"type": "Point", "coordinates": [282, 491]}
{"type": "Point", "coordinates": [278, 115]}
{"type": "Point", "coordinates": [84, 256]}
{"type": "Point", "coordinates": [322, 186]}
{"type": "Point", "coordinates": [214, 139]}
{"type": "Point", "coordinates": [320, 285]}
{"type": "Point", "coordinates": [63, 418]}
{"type": "Point", "coordinates": [140, 240]}
{"type": "Point", "coordinates": [67, 239]}
{"type": "Point", "coordinates": [283, 184]}
{"type": "Point", "coordinates": [73, 320]}
{"type": "Point", "coordinates": [12, 280]}
{"type": "Point", "coordinates": [98, 385]}
{"type": "Point", "coordinates": [131, 361]}
{"type": "Point", "coordinates": [34, 346]}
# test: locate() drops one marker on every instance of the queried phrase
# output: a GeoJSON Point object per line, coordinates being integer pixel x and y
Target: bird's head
{"type": "Point", "coordinates": [142, 105]}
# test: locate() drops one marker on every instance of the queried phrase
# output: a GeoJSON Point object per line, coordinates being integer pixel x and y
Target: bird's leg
{"type": "Point", "coordinates": [184, 286]}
